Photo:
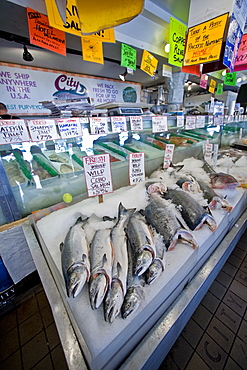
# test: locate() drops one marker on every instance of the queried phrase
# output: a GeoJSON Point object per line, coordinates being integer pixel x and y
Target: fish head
{"type": "Point", "coordinates": [113, 301]}
{"type": "Point", "coordinates": [210, 221]}
{"type": "Point", "coordinates": [132, 301]}
{"type": "Point", "coordinates": [154, 271]}
{"type": "Point", "coordinates": [157, 187]}
{"type": "Point", "coordinates": [185, 237]}
{"type": "Point", "coordinates": [223, 181]}
{"type": "Point", "coordinates": [191, 186]}
{"type": "Point", "coordinates": [143, 260]}
{"type": "Point", "coordinates": [223, 203]}
{"type": "Point", "coordinates": [77, 276]}
{"type": "Point", "coordinates": [97, 290]}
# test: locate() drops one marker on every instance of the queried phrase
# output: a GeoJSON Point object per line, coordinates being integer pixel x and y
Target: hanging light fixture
{"type": "Point", "coordinates": [123, 75]}
{"type": "Point", "coordinates": [26, 55]}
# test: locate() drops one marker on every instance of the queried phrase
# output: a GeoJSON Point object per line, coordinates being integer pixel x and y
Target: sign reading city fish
{"type": "Point", "coordinates": [69, 127]}
{"type": "Point", "coordinates": [136, 123]}
{"type": "Point", "coordinates": [136, 168]}
{"type": "Point", "coordinates": [98, 125]}
{"type": "Point", "coordinates": [42, 129]}
{"type": "Point", "coordinates": [92, 50]}
{"type": "Point", "coordinates": [204, 41]}
{"type": "Point", "coordinates": [13, 131]}
{"type": "Point", "coordinates": [149, 63]}
{"type": "Point", "coordinates": [177, 42]}
{"type": "Point", "coordinates": [97, 172]}
{"type": "Point", "coordinates": [159, 123]}
{"type": "Point", "coordinates": [73, 24]}
{"type": "Point", "coordinates": [44, 35]}
{"type": "Point", "coordinates": [118, 124]}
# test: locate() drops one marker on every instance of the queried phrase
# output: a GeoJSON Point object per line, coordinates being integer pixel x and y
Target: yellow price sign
{"type": "Point", "coordinates": [149, 63]}
{"type": "Point", "coordinates": [92, 50]}
{"type": "Point", "coordinates": [212, 86]}
{"type": "Point", "coordinates": [204, 41]}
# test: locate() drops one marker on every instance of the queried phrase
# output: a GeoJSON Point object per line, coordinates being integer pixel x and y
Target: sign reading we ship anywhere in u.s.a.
{"type": "Point", "coordinates": [98, 174]}
{"type": "Point", "coordinates": [204, 41]}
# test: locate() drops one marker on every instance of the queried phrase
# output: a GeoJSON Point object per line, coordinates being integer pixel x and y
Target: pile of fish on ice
{"type": "Point", "coordinates": [122, 259]}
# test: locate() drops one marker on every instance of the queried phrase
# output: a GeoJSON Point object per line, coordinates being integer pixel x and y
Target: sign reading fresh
{"type": "Point", "coordinates": [42, 129]}
{"type": "Point", "coordinates": [13, 131]}
{"type": "Point", "coordinates": [69, 127]}
{"type": "Point", "coordinates": [177, 42]}
{"type": "Point", "coordinates": [136, 168]}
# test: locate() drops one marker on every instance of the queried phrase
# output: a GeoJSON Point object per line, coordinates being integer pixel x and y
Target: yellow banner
{"type": "Point", "coordinates": [92, 50]}
{"type": "Point", "coordinates": [73, 24]}
{"type": "Point", "coordinates": [149, 63]}
{"type": "Point", "coordinates": [204, 41]}
{"type": "Point", "coordinates": [212, 86]}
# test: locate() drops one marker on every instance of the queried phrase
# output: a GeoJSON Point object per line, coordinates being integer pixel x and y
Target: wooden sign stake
{"type": "Point", "coordinates": [100, 197]}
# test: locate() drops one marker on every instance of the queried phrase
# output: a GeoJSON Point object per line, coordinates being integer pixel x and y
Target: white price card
{"type": "Point", "coordinates": [98, 125]}
{"type": "Point", "coordinates": [208, 151]}
{"type": "Point", "coordinates": [159, 123]}
{"type": "Point", "coordinates": [136, 168]}
{"type": "Point", "coordinates": [168, 155]}
{"type": "Point", "coordinates": [97, 172]}
{"type": "Point", "coordinates": [84, 120]}
{"type": "Point", "coordinates": [218, 120]}
{"type": "Point", "coordinates": [136, 123]}
{"type": "Point", "coordinates": [69, 127]}
{"type": "Point", "coordinates": [42, 129]}
{"type": "Point", "coordinates": [180, 121]}
{"type": "Point", "coordinates": [215, 155]}
{"type": "Point", "coordinates": [13, 131]}
{"type": "Point", "coordinates": [118, 124]}
{"type": "Point", "coordinates": [190, 122]}
{"type": "Point", "coordinates": [200, 121]}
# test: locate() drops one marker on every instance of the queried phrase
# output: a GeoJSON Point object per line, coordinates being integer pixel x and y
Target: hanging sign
{"type": "Point", "coordinates": [92, 50]}
{"type": "Point", "coordinates": [42, 129]}
{"type": "Point", "coordinates": [166, 71]}
{"type": "Point", "coordinates": [43, 35]}
{"type": "Point", "coordinates": [13, 131]}
{"type": "Point", "coordinates": [205, 40]}
{"type": "Point", "coordinates": [118, 124]}
{"type": "Point", "coordinates": [136, 123]}
{"type": "Point", "coordinates": [200, 121]}
{"type": "Point", "coordinates": [232, 44]}
{"type": "Point", "coordinates": [180, 121]}
{"type": "Point", "coordinates": [190, 122]}
{"type": "Point", "coordinates": [241, 59]}
{"type": "Point", "coordinates": [219, 90]}
{"type": "Point", "coordinates": [98, 125]}
{"type": "Point", "coordinates": [168, 155]}
{"type": "Point", "coordinates": [177, 42]}
{"type": "Point", "coordinates": [212, 86]}
{"type": "Point", "coordinates": [69, 127]}
{"type": "Point", "coordinates": [149, 63]}
{"type": "Point", "coordinates": [136, 168]}
{"type": "Point", "coordinates": [204, 81]}
{"type": "Point", "coordinates": [240, 11]}
{"type": "Point", "coordinates": [230, 79]}
{"type": "Point", "coordinates": [97, 172]}
{"type": "Point", "coordinates": [159, 123]}
{"type": "Point", "coordinates": [128, 56]}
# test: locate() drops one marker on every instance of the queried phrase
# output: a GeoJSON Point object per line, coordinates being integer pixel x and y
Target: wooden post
{"type": "Point", "coordinates": [100, 197]}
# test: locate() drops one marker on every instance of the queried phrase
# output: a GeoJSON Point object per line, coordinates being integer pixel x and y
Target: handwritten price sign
{"type": "Point", "coordinates": [118, 124]}
{"type": "Point", "coordinates": [70, 127]}
{"type": "Point", "coordinates": [98, 125]}
{"type": "Point", "coordinates": [13, 131]}
{"type": "Point", "coordinates": [42, 129]}
{"type": "Point", "coordinates": [190, 122]}
{"type": "Point", "coordinates": [168, 155]}
{"type": "Point", "coordinates": [159, 123]}
{"type": "Point", "coordinates": [136, 168]}
{"type": "Point", "coordinates": [136, 123]}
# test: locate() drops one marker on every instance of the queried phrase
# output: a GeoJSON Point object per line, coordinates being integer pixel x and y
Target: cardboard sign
{"type": "Point", "coordinates": [241, 59]}
{"type": "Point", "coordinates": [166, 71]}
{"type": "Point", "coordinates": [190, 122]}
{"type": "Point", "coordinates": [97, 172]}
{"type": "Point", "coordinates": [177, 42]}
{"type": "Point", "coordinates": [230, 79]}
{"type": "Point", "coordinates": [136, 123]}
{"type": "Point", "coordinates": [128, 56]}
{"type": "Point", "coordinates": [13, 131]}
{"type": "Point", "coordinates": [204, 81]}
{"type": "Point", "coordinates": [43, 35]}
{"type": "Point", "coordinates": [204, 41]}
{"type": "Point", "coordinates": [212, 86]}
{"type": "Point", "coordinates": [69, 127]}
{"type": "Point", "coordinates": [119, 124]}
{"type": "Point", "coordinates": [200, 121]}
{"type": "Point", "coordinates": [149, 63]}
{"type": "Point", "coordinates": [180, 121]}
{"type": "Point", "coordinates": [92, 50]}
{"type": "Point", "coordinates": [136, 168]}
{"type": "Point", "coordinates": [159, 123]}
{"type": "Point", "coordinates": [168, 155]}
{"type": "Point", "coordinates": [232, 44]}
{"type": "Point", "coordinates": [42, 129]}
{"type": "Point", "coordinates": [219, 90]}
{"type": "Point", "coordinates": [98, 125]}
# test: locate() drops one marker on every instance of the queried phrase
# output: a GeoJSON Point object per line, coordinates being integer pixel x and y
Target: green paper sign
{"type": "Point", "coordinates": [128, 57]}
{"type": "Point", "coordinates": [177, 42]}
{"type": "Point", "coordinates": [230, 79]}
{"type": "Point", "coordinates": [219, 90]}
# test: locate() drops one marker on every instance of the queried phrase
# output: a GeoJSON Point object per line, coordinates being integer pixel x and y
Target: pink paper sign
{"type": "Point", "coordinates": [204, 81]}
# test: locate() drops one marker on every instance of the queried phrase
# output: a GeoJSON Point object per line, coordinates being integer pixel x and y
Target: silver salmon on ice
{"type": "Point", "coordinates": [74, 259]}
{"type": "Point", "coordinates": [115, 296]}
{"type": "Point", "coordinates": [141, 240]}
{"type": "Point", "coordinates": [101, 258]}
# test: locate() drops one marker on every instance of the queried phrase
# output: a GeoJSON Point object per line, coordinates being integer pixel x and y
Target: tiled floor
{"type": "Point", "coordinates": [214, 338]}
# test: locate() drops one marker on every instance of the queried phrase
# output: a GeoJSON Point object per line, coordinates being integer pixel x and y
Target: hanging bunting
{"type": "Point", "coordinates": [43, 35]}
{"type": "Point", "coordinates": [128, 56]}
{"type": "Point", "coordinates": [230, 79]}
{"type": "Point", "coordinates": [212, 86]}
{"type": "Point", "coordinates": [92, 50]}
{"type": "Point", "coordinates": [205, 40]}
{"type": "Point", "coordinates": [232, 43]}
{"type": "Point", "coordinates": [219, 89]}
{"type": "Point", "coordinates": [149, 63]}
{"type": "Point", "coordinates": [204, 81]}
{"type": "Point", "coordinates": [177, 42]}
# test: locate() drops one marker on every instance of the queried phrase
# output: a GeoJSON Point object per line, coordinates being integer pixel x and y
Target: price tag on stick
{"type": "Point", "coordinates": [168, 155]}
{"type": "Point", "coordinates": [136, 168]}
